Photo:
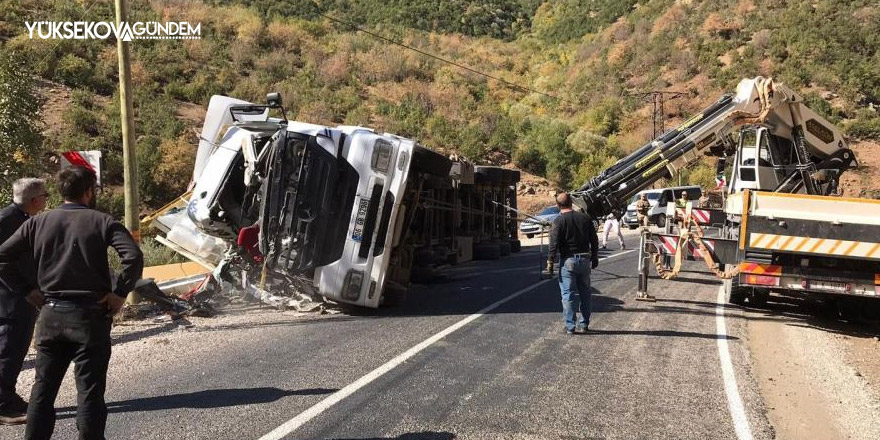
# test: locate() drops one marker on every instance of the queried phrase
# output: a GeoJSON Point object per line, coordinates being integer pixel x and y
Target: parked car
{"type": "Point", "coordinates": [658, 198]}
{"type": "Point", "coordinates": [530, 227]}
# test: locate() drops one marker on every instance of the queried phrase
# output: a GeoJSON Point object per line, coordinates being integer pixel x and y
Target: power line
{"type": "Point", "coordinates": [509, 84]}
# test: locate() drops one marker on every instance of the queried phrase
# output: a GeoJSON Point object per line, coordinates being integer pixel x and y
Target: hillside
{"type": "Point", "coordinates": [581, 67]}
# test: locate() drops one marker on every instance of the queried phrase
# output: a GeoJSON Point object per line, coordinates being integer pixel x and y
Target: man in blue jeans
{"type": "Point", "coordinates": [573, 237]}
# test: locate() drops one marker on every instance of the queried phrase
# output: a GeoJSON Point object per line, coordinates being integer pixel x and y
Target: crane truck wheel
{"type": "Point", "coordinates": [733, 293]}
{"type": "Point", "coordinates": [431, 162]}
{"type": "Point", "coordinates": [660, 220]}
{"type": "Point", "coordinates": [759, 297]}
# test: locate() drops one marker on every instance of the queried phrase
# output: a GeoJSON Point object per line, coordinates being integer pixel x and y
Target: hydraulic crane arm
{"type": "Point", "coordinates": [757, 101]}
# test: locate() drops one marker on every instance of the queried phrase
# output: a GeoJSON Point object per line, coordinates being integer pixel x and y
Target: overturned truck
{"type": "Point", "coordinates": [344, 212]}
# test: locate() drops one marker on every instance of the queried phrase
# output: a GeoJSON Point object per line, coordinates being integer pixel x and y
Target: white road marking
{"type": "Point", "coordinates": [734, 400]}
{"type": "Point", "coordinates": [303, 417]}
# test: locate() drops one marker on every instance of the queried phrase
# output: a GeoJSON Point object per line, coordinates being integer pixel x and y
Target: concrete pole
{"type": "Point", "coordinates": [129, 156]}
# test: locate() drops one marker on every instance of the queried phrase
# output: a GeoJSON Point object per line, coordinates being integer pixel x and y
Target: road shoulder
{"type": "Point", "coordinates": [815, 381]}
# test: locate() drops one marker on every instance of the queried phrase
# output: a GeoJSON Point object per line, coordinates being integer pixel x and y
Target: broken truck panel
{"type": "Point", "coordinates": [306, 196]}
{"type": "Point", "coordinates": [217, 120]}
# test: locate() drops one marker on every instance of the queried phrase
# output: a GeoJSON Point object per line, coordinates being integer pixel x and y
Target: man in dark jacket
{"type": "Point", "coordinates": [573, 237]}
{"type": "Point", "coordinates": [18, 301]}
{"type": "Point", "coordinates": [68, 246]}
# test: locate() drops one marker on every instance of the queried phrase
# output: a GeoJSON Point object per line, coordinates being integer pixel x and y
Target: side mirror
{"type": "Point", "coordinates": [274, 99]}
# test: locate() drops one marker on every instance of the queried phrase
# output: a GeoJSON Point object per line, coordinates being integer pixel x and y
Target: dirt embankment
{"type": "Point", "coordinates": [864, 181]}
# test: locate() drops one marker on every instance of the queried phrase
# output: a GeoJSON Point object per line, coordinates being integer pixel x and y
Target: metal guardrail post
{"type": "Point", "coordinates": [644, 255]}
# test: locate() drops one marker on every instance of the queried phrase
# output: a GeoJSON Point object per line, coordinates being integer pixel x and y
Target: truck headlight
{"type": "Point", "coordinates": [351, 289]}
{"type": "Point", "coordinates": [382, 151]}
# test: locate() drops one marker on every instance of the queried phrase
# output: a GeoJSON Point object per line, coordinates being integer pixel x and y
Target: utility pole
{"type": "Point", "coordinates": [129, 156]}
{"type": "Point", "coordinates": [658, 100]}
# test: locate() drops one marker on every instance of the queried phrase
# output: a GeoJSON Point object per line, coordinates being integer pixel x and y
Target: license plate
{"type": "Point", "coordinates": [827, 285]}
{"type": "Point", "coordinates": [358, 233]}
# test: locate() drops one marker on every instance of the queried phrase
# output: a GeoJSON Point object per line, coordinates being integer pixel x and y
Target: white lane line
{"type": "Point", "coordinates": [295, 423]}
{"type": "Point", "coordinates": [734, 400]}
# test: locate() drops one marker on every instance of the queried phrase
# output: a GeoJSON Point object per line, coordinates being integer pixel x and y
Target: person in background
{"type": "Point", "coordinates": [18, 300]}
{"type": "Point", "coordinates": [643, 206]}
{"type": "Point", "coordinates": [682, 202]}
{"type": "Point", "coordinates": [68, 246]}
{"type": "Point", "coordinates": [703, 201]}
{"type": "Point", "coordinates": [612, 223]}
{"type": "Point", "coordinates": [573, 237]}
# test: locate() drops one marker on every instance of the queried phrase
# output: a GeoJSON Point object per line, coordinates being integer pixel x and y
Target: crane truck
{"type": "Point", "coordinates": [781, 227]}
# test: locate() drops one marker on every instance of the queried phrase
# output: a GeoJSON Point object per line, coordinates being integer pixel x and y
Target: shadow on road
{"type": "Point", "coordinates": [424, 435]}
{"type": "Point", "coordinates": [801, 312]}
{"type": "Point", "coordinates": [660, 333]}
{"type": "Point", "coordinates": [203, 399]}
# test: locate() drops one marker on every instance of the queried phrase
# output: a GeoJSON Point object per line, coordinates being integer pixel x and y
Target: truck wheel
{"type": "Point", "coordinates": [631, 227]}
{"type": "Point", "coordinates": [504, 247]}
{"type": "Point", "coordinates": [515, 246]}
{"type": "Point", "coordinates": [759, 297]}
{"type": "Point", "coordinates": [431, 162]}
{"type": "Point", "coordinates": [487, 251]}
{"type": "Point", "coordinates": [733, 292]}
{"type": "Point", "coordinates": [530, 235]}
{"type": "Point", "coordinates": [660, 220]}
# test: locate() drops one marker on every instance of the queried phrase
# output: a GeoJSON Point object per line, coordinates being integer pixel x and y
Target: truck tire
{"type": "Point", "coordinates": [431, 162]}
{"type": "Point", "coordinates": [486, 174]}
{"type": "Point", "coordinates": [759, 297]}
{"type": "Point", "coordinates": [505, 249]}
{"type": "Point", "coordinates": [733, 292]}
{"type": "Point", "coordinates": [515, 246]}
{"type": "Point", "coordinates": [484, 251]}
{"type": "Point", "coordinates": [530, 235]}
{"type": "Point", "coordinates": [660, 220]}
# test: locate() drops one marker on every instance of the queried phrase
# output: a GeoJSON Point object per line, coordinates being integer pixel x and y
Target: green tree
{"type": "Point", "coordinates": [21, 141]}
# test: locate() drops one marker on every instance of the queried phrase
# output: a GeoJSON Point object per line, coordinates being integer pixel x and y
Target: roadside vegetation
{"type": "Point", "coordinates": [585, 64]}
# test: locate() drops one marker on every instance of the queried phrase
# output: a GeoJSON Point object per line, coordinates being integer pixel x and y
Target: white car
{"type": "Point", "coordinates": [658, 198]}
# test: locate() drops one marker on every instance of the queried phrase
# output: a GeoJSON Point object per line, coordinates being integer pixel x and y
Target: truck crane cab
{"type": "Point", "coordinates": [756, 166]}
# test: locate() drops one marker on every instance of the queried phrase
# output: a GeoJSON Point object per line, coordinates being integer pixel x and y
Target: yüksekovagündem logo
{"type": "Point", "coordinates": [101, 30]}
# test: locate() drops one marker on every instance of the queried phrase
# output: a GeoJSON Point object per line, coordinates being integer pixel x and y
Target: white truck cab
{"type": "Point", "coordinates": [328, 202]}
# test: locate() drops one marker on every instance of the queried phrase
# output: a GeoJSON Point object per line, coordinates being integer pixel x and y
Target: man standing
{"type": "Point", "coordinates": [573, 237]}
{"type": "Point", "coordinates": [69, 249]}
{"type": "Point", "coordinates": [703, 202]}
{"type": "Point", "coordinates": [682, 202]}
{"type": "Point", "coordinates": [612, 223]}
{"type": "Point", "coordinates": [643, 206]}
{"type": "Point", "coordinates": [18, 302]}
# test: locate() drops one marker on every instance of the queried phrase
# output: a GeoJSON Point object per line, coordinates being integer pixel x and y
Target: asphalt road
{"type": "Point", "coordinates": [649, 370]}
